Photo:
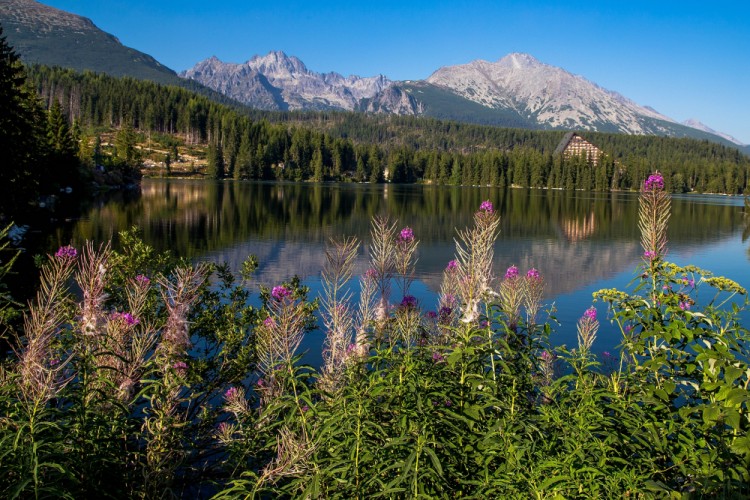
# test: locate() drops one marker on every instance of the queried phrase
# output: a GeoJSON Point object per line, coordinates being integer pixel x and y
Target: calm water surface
{"type": "Point", "coordinates": [580, 242]}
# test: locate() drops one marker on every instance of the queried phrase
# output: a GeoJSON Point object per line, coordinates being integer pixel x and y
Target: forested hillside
{"type": "Point", "coordinates": [249, 144]}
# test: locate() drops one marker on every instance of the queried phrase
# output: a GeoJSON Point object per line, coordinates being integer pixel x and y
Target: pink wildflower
{"type": "Point", "coordinates": [452, 266]}
{"type": "Point", "coordinates": [66, 252]}
{"type": "Point", "coordinates": [268, 322]}
{"type": "Point", "coordinates": [533, 274]}
{"type": "Point", "coordinates": [406, 235]}
{"type": "Point", "coordinates": [487, 207]}
{"type": "Point", "coordinates": [231, 393]}
{"type": "Point", "coordinates": [142, 280]}
{"type": "Point", "coordinates": [655, 182]}
{"type": "Point", "coordinates": [511, 273]}
{"type": "Point", "coordinates": [590, 313]}
{"type": "Point", "coordinates": [180, 367]}
{"type": "Point", "coordinates": [280, 292]}
{"type": "Point", "coordinates": [128, 318]}
{"type": "Point", "coordinates": [409, 302]}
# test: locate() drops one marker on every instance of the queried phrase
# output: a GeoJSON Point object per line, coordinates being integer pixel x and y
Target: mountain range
{"type": "Point", "coordinates": [515, 91]}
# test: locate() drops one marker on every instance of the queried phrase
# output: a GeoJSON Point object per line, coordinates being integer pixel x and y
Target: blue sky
{"type": "Point", "coordinates": [685, 59]}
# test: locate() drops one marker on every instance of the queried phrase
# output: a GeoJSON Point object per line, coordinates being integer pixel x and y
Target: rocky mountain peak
{"type": "Point", "coordinates": [519, 60]}
{"type": "Point", "coordinates": [277, 63]}
{"type": "Point", "coordinates": [288, 80]}
{"type": "Point", "coordinates": [698, 125]}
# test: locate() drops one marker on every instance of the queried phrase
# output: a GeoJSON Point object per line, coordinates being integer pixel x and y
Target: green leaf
{"type": "Point", "coordinates": [434, 459]}
{"type": "Point", "coordinates": [711, 414]}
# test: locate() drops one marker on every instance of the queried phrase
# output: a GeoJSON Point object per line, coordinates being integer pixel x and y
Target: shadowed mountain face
{"type": "Point", "coordinates": [44, 35]}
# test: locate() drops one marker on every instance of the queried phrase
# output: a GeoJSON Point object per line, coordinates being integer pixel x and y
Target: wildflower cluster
{"type": "Point", "coordinates": [66, 252]}
{"type": "Point", "coordinates": [655, 182]}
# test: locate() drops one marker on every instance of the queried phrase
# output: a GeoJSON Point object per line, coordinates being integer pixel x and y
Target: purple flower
{"type": "Point", "coordinates": [448, 402]}
{"type": "Point", "coordinates": [511, 273]}
{"type": "Point", "coordinates": [487, 207]}
{"type": "Point", "coordinates": [452, 266]}
{"type": "Point", "coordinates": [437, 357]}
{"type": "Point", "coordinates": [66, 252]}
{"type": "Point", "coordinates": [628, 328]}
{"type": "Point", "coordinates": [260, 382]}
{"type": "Point", "coordinates": [279, 292]}
{"type": "Point", "coordinates": [371, 274]}
{"type": "Point", "coordinates": [305, 408]}
{"type": "Point", "coordinates": [269, 322]}
{"type": "Point", "coordinates": [547, 356]}
{"type": "Point", "coordinates": [655, 182]}
{"type": "Point", "coordinates": [142, 280]}
{"type": "Point", "coordinates": [54, 362]}
{"type": "Point", "coordinates": [649, 254]}
{"type": "Point", "coordinates": [231, 393]}
{"type": "Point", "coordinates": [533, 274]}
{"type": "Point", "coordinates": [406, 235]}
{"type": "Point", "coordinates": [409, 302]}
{"type": "Point", "coordinates": [606, 354]}
{"type": "Point", "coordinates": [590, 313]}
{"type": "Point", "coordinates": [432, 315]}
{"type": "Point", "coordinates": [691, 283]}
{"type": "Point", "coordinates": [128, 318]}
{"type": "Point", "coordinates": [180, 367]}
{"type": "Point", "coordinates": [685, 306]}
{"type": "Point", "coordinates": [351, 348]}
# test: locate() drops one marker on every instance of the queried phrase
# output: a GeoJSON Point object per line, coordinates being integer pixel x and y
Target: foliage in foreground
{"type": "Point", "coordinates": [156, 384]}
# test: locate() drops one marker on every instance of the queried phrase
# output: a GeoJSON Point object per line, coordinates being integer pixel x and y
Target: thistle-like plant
{"type": "Point", "coordinates": [91, 280]}
{"type": "Point", "coordinates": [40, 367]}
{"type": "Point", "coordinates": [474, 254]}
{"type": "Point", "coordinates": [653, 218]}
{"type": "Point", "coordinates": [337, 310]}
{"type": "Point", "coordinates": [368, 287]}
{"type": "Point", "coordinates": [382, 260]}
{"type": "Point", "coordinates": [588, 326]}
{"type": "Point", "coordinates": [277, 339]}
{"type": "Point", "coordinates": [405, 259]}
{"type": "Point", "coordinates": [179, 294]}
{"type": "Point", "coordinates": [512, 296]}
{"type": "Point", "coordinates": [533, 290]}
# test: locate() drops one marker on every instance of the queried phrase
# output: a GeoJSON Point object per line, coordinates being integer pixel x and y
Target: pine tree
{"type": "Point", "coordinates": [317, 166]}
{"type": "Point", "coordinates": [22, 129]}
{"type": "Point", "coordinates": [216, 168]}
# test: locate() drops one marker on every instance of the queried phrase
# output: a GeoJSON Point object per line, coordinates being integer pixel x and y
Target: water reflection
{"type": "Point", "coordinates": [573, 238]}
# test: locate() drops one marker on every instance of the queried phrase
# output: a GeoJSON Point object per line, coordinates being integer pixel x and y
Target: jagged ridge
{"type": "Point", "coordinates": [278, 82]}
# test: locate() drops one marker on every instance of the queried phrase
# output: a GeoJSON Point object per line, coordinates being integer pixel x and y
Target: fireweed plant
{"type": "Point", "coordinates": [158, 380]}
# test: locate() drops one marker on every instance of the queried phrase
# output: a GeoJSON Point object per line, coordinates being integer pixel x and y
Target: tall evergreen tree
{"type": "Point", "coordinates": [216, 169]}
{"type": "Point", "coordinates": [22, 128]}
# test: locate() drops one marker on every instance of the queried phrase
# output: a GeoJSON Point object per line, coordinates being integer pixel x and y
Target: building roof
{"type": "Point", "coordinates": [564, 142]}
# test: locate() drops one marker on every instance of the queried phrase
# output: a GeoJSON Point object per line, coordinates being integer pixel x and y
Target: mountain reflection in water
{"type": "Point", "coordinates": [575, 239]}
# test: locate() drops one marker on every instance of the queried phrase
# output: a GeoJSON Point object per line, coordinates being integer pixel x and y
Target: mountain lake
{"type": "Point", "coordinates": [579, 241]}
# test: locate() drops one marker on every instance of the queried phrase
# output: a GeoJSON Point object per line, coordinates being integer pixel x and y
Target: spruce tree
{"type": "Point", "coordinates": [22, 127]}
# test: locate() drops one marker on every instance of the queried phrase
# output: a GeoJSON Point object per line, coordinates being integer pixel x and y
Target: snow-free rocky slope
{"type": "Point", "coordinates": [280, 82]}
{"type": "Point", "coordinates": [515, 91]}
